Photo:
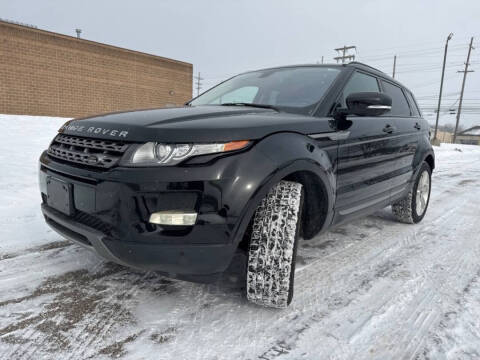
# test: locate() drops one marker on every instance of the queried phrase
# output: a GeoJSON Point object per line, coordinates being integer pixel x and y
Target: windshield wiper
{"type": "Point", "coordinates": [262, 106]}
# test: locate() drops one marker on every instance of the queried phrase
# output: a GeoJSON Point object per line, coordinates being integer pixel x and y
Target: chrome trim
{"type": "Point", "coordinates": [380, 138]}
{"type": "Point", "coordinates": [335, 136]}
{"type": "Point", "coordinates": [379, 107]}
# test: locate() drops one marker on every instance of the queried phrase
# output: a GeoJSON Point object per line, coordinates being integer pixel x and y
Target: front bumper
{"type": "Point", "coordinates": [192, 262]}
{"type": "Point", "coordinates": [112, 208]}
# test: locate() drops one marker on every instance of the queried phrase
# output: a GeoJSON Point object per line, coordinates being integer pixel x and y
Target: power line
{"type": "Point", "coordinates": [429, 83]}
{"type": "Point", "coordinates": [421, 45]}
{"type": "Point", "coordinates": [435, 97]}
{"type": "Point", "coordinates": [426, 101]}
{"type": "Point", "coordinates": [426, 66]}
{"type": "Point", "coordinates": [418, 51]}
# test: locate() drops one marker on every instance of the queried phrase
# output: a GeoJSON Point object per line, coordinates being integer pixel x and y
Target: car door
{"type": "Point", "coordinates": [364, 170]}
{"type": "Point", "coordinates": [407, 129]}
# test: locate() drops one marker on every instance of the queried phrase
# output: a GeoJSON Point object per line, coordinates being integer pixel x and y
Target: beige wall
{"type": "Point", "coordinates": [44, 73]}
{"type": "Point", "coordinates": [468, 139]}
{"type": "Point", "coordinates": [444, 137]}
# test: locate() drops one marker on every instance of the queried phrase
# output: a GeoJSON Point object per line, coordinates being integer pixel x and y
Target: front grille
{"type": "Point", "coordinates": [90, 152]}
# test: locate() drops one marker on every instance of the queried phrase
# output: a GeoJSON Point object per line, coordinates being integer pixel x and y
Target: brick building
{"type": "Point", "coordinates": [45, 73]}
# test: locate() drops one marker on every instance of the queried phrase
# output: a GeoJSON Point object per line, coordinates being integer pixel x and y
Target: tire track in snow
{"type": "Point", "coordinates": [56, 286]}
{"type": "Point", "coordinates": [108, 321]}
{"type": "Point", "coordinates": [445, 220]}
{"type": "Point", "coordinates": [45, 247]}
{"type": "Point", "coordinates": [39, 263]}
{"type": "Point", "coordinates": [457, 333]}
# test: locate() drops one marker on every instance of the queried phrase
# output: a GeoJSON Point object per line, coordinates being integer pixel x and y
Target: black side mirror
{"type": "Point", "coordinates": [368, 103]}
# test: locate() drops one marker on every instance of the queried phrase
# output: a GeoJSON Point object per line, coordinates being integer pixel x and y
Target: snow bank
{"type": "Point", "coordinates": [22, 140]}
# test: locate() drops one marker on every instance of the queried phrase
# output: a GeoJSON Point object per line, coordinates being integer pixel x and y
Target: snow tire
{"type": "Point", "coordinates": [273, 246]}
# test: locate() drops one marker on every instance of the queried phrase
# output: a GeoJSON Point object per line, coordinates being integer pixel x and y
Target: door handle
{"type": "Point", "coordinates": [389, 129]}
{"type": "Point", "coordinates": [417, 126]}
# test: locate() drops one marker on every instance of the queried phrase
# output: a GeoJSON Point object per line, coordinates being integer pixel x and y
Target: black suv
{"type": "Point", "coordinates": [248, 167]}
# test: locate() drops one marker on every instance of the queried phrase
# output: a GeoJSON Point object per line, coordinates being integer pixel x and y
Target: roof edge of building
{"type": "Point", "coordinates": [477, 127]}
{"type": "Point", "coordinates": [69, 37]}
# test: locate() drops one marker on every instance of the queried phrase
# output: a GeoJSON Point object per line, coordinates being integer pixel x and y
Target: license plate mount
{"type": "Point", "coordinates": [59, 195]}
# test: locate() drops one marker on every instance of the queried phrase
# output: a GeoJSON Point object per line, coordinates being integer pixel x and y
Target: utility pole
{"type": "Point", "coordinates": [441, 86]}
{"type": "Point", "coordinates": [394, 66]}
{"type": "Point", "coordinates": [465, 72]}
{"type": "Point", "coordinates": [199, 82]}
{"type": "Point", "coordinates": [343, 50]}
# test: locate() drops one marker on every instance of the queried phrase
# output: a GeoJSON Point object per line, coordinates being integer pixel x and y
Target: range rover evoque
{"type": "Point", "coordinates": [248, 167]}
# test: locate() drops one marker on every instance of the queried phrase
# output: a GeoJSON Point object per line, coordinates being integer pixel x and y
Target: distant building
{"type": "Point", "coordinates": [470, 136]}
{"type": "Point", "coordinates": [444, 136]}
{"type": "Point", "coordinates": [46, 73]}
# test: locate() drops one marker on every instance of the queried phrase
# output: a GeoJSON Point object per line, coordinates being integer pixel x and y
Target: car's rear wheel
{"type": "Point", "coordinates": [412, 208]}
{"type": "Point", "coordinates": [273, 246]}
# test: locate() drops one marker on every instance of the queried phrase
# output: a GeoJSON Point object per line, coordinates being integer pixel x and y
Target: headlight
{"type": "Point", "coordinates": [151, 154]}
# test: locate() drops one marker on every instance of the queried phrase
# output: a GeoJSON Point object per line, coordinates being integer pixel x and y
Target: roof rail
{"type": "Point", "coordinates": [362, 64]}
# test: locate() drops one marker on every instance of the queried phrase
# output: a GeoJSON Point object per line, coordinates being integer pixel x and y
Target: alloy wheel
{"type": "Point", "coordinates": [423, 193]}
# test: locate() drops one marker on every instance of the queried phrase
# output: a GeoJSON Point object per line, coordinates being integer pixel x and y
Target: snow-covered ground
{"type": "Point", "coordinates": [372, 289]}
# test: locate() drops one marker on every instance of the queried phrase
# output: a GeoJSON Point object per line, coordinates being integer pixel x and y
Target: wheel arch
{"type": "Point", "coordinates": [317, 209]}
{"type": "Point", "coordinates": [430, 160]}
{"type": "Point", "coordinates": [315, 204]}
{"type": "Point", "coordinates": [307, 164]}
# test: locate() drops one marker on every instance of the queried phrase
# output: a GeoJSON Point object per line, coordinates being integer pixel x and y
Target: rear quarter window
{"type": "Point", "coordinates": [413, 104]}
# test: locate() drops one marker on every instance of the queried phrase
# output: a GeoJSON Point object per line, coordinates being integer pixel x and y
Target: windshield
{"type": "Point", "coordinates": [296, 88]}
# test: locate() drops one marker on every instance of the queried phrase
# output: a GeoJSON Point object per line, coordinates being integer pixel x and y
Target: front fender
{"type": "Point", "coordinates": [268, 162]}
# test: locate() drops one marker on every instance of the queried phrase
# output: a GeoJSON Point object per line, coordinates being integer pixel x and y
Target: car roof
{"type": "Point", "coordinates": [354, 64]}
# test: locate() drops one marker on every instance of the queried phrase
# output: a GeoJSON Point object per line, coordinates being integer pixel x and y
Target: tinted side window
{"type": "Point", "coordinates": [399, 102]}
{"type": "Point", "coordinates": [413, 104]}
{"type": "Point", "coordinates": [359, 82]}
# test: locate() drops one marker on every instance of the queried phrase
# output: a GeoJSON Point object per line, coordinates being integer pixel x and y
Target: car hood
{"type": "Point", "coordinates": [194, 124]}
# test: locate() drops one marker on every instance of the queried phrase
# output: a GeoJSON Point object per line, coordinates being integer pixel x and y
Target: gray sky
{"type": "Point", "coordinates": [222, 38]}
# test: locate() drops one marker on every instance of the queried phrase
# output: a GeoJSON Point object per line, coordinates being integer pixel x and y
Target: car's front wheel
{"type": "Point", "coordinates": [273, 246]}
{"type": "Point", "coordinates": [412, 208]}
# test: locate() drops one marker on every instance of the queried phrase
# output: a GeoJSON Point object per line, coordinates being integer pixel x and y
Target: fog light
{"type": "Point", "coordinates": [173, 217]}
